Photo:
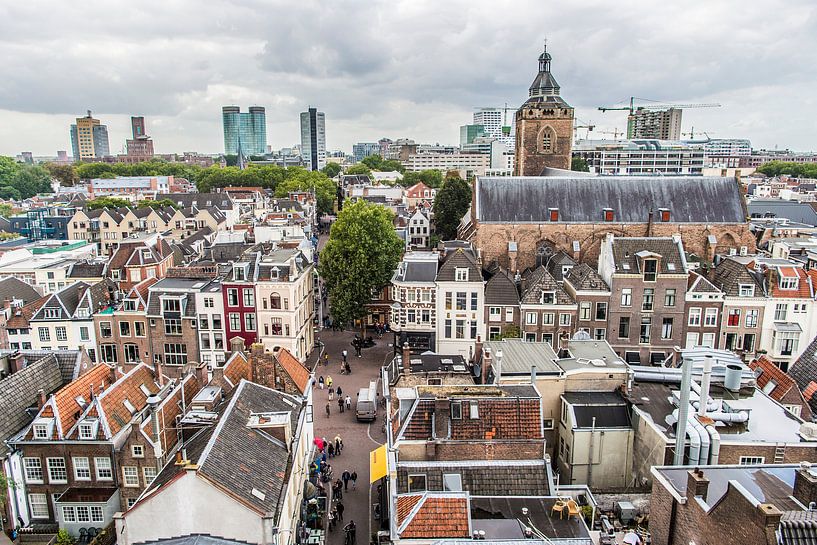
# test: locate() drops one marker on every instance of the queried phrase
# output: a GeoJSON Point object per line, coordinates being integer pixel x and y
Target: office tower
{"type": "Point", "coordinates": [140, 145]}
{"type": "Point", "coordinates": [313, 139]}
{"type": "Point", "coordinates": [249, 127]}
{"type": "Point", "coordinates": [361, 150]}
{"type": "Point", "coordinates": [89, 139]}
{"type": "Point", "coordinates": [493, 121]}
{"type": "Point", "coordinates": [469, 132]}
{"type": "Point", "coordinates": [659, 124]}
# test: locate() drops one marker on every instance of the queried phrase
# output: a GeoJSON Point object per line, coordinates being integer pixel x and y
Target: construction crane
{"type": "Point", "coordinates": [589, 126]}
{"type": "Point", "coordinates": [692, 132]}
{"type": "Point", "coordinates": [615, 132]}
{"type": "Point", "coordinates": [655, 106]}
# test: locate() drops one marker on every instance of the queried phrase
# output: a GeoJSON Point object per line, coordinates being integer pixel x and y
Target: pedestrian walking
{"type": "Point", "coordinates": [341, 404]}
{"type": "Point", "coordinates": [344, 353]}
{"type": "Point", "coordinates": [320, 382]}
{"type": "Point", "coordinates": [326, 359]}
{"type": "Point", "coordinates": [340, 509]}
{"type": "Point", "coordinates": [339, 391]}
{"type": "Point", "coordinates": [331, 393]}
{"type": "Point", "coordinates": [328, 412]}
{"type": "Point", "coordinates": [348, 403]}
{"type": "Point", "coordinates": [351, 533]}
{"type": "Point", "coordinates": [346, 476]}
{"type": "Point", "coordinates": [329, 380]}
{"type": "Point", "coordinates": [338, 443]}
{"type": "Point", "coordinates": [323, 461]}
{"type": "Point", "coordinates": [331, 450]}
{"type": "Point", "coordinates": [348, 368]}
{"type": "Point", "coordinates": [354, 480]}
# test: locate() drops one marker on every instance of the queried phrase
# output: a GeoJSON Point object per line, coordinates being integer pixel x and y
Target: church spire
{"type": "Point", "coordinates": [544, 84]}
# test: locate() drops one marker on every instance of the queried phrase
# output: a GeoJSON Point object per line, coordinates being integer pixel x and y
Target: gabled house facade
{"type": "Point", "coordinates": [414, 291]}
{"type": "Point", "coordinates": [460, 301]}
{"type": "Point", "coordinates": [238, 291]}
{"type": "Point", "coordinates": [501, 306]}
{"type": "Point", "coordinates": [744, 306]}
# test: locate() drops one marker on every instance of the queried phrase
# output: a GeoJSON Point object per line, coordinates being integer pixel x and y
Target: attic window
{"type": "Point", "coordinates": [650, 270]}
{"type": "Point", "coordinates": [43, 428]}
{"type": "Point", "coordinates": [746, 290]}
{"type": "Point", "coordinates": [51, 313]}
{"type": "Point", "coordinates": [554, 214]}
{"type": "Point", "coordinates": [87, 429]}
{"type": "Point", "coordinates": [474, 413]}
{"type": "Point", "coordinates": [461, 274]}
{"type": "Point", "coordinates": [788, 282]}
{"type": "Point", "coordinates": [664, 214]}
{"type": "Point", "coordinates": [144, 390]}
{"type": "Point", "coordinates": [548, 297]}
{"type": "Point", "coordinates": [608, 214]}
{"type": "Point", "coordinates": [456, 410]}
{"type": "Point", "coordinates": [129, 305]}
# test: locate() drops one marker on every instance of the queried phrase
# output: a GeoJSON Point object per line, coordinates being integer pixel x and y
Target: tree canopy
{"type": "Point", "coordinates": [331, 169]}
{"type": "Point", "coordinates": [107, 202]}
{"type": "Point", "coordinates": [21, 181]}
{"type": "Point", "coordinates": [578, 164]}
{"type": "Point", "coordinates": [376, 162]}
{"type": "Point", "coordinates": [305, 180]}
{"type": "Point", "coordinates": [157, 204]}
{"type": "Point", "coordinates": [359, 168]}
{"type": "Point", "coordinates": [432, 178]}
{"type": "Point", "coordinates": [798, 170]}
{"type": "Point", "coordinates": [360, 257]}
{"type": "Point", "coordinates": [450, 203]}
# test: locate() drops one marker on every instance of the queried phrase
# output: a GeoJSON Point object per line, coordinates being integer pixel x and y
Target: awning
{"type": "Point", "coordinates": [787, 327]}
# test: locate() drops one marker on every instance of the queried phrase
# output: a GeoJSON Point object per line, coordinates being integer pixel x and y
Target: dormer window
{"type": "Point", "coordinates": [171, 305]}
{"type": "Point", "coordinates": [240, 271]}
{"type": "Point", "coordinates": [650, 270]}
{"type": "Point", "coordinates": [129, 305]}
{"type": "Point", "coordinates": [553, 213]}
{"type": "Point", "coordinates": [548, 297]}
{"type": "Point", "coordinates": [51, 313]}
{"type": "Point", "coordinates": [82, 312]}
{"type": "Point", "coordinates": [88, 428]}
{"type": "Point", "coordinates": [43, 428]}
{"type": "Point", "coordinates": [461, 274]}
{"type": "Point", "coordinates": [788, 282]}
{"type": "Point", "coordinates": [746, 290]}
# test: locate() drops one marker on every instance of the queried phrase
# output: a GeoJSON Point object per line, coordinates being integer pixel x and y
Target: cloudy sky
{"type": "Point", "coordinates": [397, 68]}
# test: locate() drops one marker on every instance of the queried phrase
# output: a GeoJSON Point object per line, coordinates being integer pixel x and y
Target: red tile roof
{"type": "Point", "coordinates": [127, 388]}
{"type": "Point", "coordinates": [236, 368]}
{"type": "Point", "coordinates": [65, 400]}
{"type": "Point", "coordinates": [295, 369]}
{"type": "Point", "coordinates": [771, 372]}
{"type": "Point", "coordinates": [804, 288]}
{"type": "Point", "coordinates": [434, 516]}
{"type": "Point", "coordinates": [21, 321]}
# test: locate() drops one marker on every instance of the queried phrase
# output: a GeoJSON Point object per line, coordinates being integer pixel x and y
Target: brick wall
{"type": "Point", "coordinates": [473, 450]}
{"type": "Point", "coordinates": [158, 339]}
{"type": "Point", "coordinates": [731, 453]}
{"type": "Point", "coordinates": [492, 239]}
{"type": "Point", "coordinates": [497, 480]}
{"type": "Point", "coordinates": [531, 160]}
{"type": "Point", "coordinates": [268, 372]}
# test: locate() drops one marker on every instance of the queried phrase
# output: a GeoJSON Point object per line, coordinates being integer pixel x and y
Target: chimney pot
{"type": "Point", "coordinates": [406, 357]}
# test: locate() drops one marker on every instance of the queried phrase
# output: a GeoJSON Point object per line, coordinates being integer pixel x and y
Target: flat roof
{"type": "Point", "coordinates": [502, 518]}
{"type": "Point", "coordinates": [519, 356]}
{"type": "Point", "coordinates": [591, 354]}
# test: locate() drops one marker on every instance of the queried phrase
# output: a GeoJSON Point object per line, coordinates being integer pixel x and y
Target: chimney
{"type": "Point", "coordinates": [478, 349]}
{"type": "Point", "coordinates": [805, 484]}
{"type": "Point", "coordinates": [564, 345]}
{"type": "Point", "coordinates": [6, 303]}
{"type": "Point", "coordinates": [40, 398]}
{"type": "Point", "coordinates": [157, 368]}
{"type": "Point", "coordinates": [487, 360]}
{"type": "Point", "coordinates": [442, 417]}
{"type": "Point", "coordinates": [236, 345]}
{"type": "Point", "coordinates": [256, 349]}
{"type": "Point", "coordinates": [16, 362]}
{"type": "Point", "coordinates": [697, 484]}
{"type": "Point", "coordinates": [649, 223]}
{"type": "Point", "coordinates": [201, 374]}
{"type": "Point", "coordinates": [406, 358]}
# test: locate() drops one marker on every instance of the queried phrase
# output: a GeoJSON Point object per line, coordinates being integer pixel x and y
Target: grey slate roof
{"type": "Point", "coordinates": [501, 290]}
{"type": "Point", "coordinates": [627, 262]}
{"type": "Point", "coordinates": [417, 271]}
{"type": "Point", "coordinates": [608, 408]}
{"type": "Point", "coordinates": [87, 269]}
{"type": "Point", "coordinates": [699, 284]}
{"type": "Point", "coordinates": [519, 356]}
{"type": "Point", "coordinates": [583, 277]}
{"type": "Point", "coordinates": [690, 199]}
{"type": "Point", "coordinates": [13, 288]}
{"type": "Point", "coordinates": [241, 458]}
{"type": "Point", "coordinates": [776, 208]}
{"type": "Point", "coordinates": [804, 373]}
{"type": "Point", "coordinates": [195, 539]}
{"type": "Point", "coordinates": [222, 201]}
{"type": "Point", "coordinates": [459, 258]}
{"type": "Point", "coordinates": [557, 263]}
{"type": "Point", "coordinates": [482, 477]}
{"type": "Point", "coordinates": [539, 281]}
{"type": "Point", "coordinates": [730, 274]}
{"type": "Point", "coordinates": [19, 391]}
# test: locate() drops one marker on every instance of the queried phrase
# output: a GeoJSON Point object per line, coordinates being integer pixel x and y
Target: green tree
{"type": "Point", "coordinates": [304, 180]}
{"type": "Point", "coordinates": [373, 161]}
{"type": "Point", "coordinates": [432, 178]}
{"type": "Point", "coordinates": [8, 169]}
{"type": "Point", "coordinates": [360, 257]}
{"type": "Point", "coordinates": [392, 165]}
{"type": "Point", "coordinates": [107, 202]}
{"type": "Point", "coordinates": [578, 164]}
{"type": "Point", "coordinates": [9, 193]}
{"type": "Point", "coordinates": [231, 160]}
{"type": "Point", "coordinates": [797, 170]}
{"type": "Point", "coordinates": [359, 169]}
{"type": "Point", "coordinates": [6, 210]}
{"type": "Point", "coordinates": [66, 174]}
{"type": "Point", "coordinates": [451, 202]}
{"type": "Point", "coordinates": [86, 171]}
{"type": "Point", "coordinates": [331, 169]}
{"type": "Point", "coordinates": [156, 204]}
{"type": "Point", "coordinates": [64, 538]}
{"type": "Point", "coordinates": [31, 180]}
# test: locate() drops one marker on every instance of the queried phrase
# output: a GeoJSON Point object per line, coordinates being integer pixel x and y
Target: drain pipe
{"type": "Point", "coordinates": [703, 455]}
{"type": "Point", "coordinates": [715, 439]}
{"type": "Point", "coordinates": [704, 392]}
{"type": "Point", "coordinates": [683, 415]}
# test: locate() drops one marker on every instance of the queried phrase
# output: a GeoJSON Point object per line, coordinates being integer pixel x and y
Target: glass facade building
{"type": "Point", "coordinates": [313, 139]}
{"type": "Point", "coordinates": [248, 127]}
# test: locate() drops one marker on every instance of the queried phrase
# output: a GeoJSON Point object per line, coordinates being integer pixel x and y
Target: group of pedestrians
{"type": "Point", "coordinates": [340, 487]}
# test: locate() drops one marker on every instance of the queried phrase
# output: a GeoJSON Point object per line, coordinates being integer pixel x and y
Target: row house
{"type": "Point", "coordinates": [135, 259]}
{"type": "Point", "coordinates": [107, 227]}
{"type": "Point", "coordinates": [69, 453]}
{"type": "Point", "coordinates": [414, 290]}
{"type": "Point", "coordinates": [460, 301]}
{"type": "Point", "coordinates": [501, 306]}
{"type": "Point", "coordinates": [221, 201]}
{"type": "Point", "coordinates": [63, 320]}
{"type": "Point", "coordinates": [418, 230]}
{"type": "Point", "coordinates": [704, 312]}
{"type": "Point", "coordinates": [14, 294]}
{"type": "Point", "coordinates": [420, 195]}
{"type": "Point", "coordinates": [210, 308]}
{"type": "Point", "coordinates": [648, 283]}
{"type": "Point", "coordinates": [238, 291]}
{"type": "Point", "coordinates": [172, 323]}
{"type": "Point", "coordinates": [592, 296]}
{"type": "Point", "coordinates": [121, 330]}
{"type": "Point", "coordinates": [285, 302]}
{"type": "Point", "coordinates": [548, 312]}
{"type": "Point", "coordinates": [744, 306]}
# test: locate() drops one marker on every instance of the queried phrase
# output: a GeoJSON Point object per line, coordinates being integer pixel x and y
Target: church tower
{"type": "Point", "coordinates": [544, 126]}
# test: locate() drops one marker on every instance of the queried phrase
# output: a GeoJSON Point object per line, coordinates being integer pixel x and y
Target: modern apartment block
{"type": "Point", "coordinates": [89, 138]}
{"type": "Point", "coordinates": [313, 139]}
{"type": "Point", "coordinates": [249, 129]}
{"type": "Point", "coordinates": [658, 124]}
{"type": "Point", "coordinates": [641, 156]}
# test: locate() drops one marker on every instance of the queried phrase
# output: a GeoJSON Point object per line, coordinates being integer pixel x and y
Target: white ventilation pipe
{"type": "Point", "coordinates": [704, 393]}
{"type": "Point", "coordinates": [715, 441]}
{"type": "Point", "coordinates": [695, 431]}
{"type": "Point", "coordinates": [736, 417]}
{"type": "Point", "coordinates": [703, 456]}
{"type": "Point", "coordinates": [694, 443]}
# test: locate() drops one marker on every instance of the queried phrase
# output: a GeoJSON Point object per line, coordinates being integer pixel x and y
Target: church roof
{"type": "Point", "coordinates": [527, 199]}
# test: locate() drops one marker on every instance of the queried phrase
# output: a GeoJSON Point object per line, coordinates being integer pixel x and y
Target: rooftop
{"type": "Point", "coordinates": [519, 356]}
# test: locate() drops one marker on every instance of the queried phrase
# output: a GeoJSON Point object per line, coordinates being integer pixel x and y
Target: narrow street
{"type": "Point", "coordinates": [359, 438]}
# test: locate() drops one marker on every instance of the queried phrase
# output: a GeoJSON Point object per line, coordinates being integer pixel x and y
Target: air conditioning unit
{"type": "Point", "coordinates": [744, 250]}
{"type": "Point", "coordinates": [732, 251]}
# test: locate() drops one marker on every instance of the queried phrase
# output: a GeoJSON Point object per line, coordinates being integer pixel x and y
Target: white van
{"type": "Point", "coordinates": [366, 408]}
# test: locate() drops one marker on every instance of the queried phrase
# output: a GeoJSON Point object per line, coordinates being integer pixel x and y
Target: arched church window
{"type": "Point", "coordinates": [548, 140]}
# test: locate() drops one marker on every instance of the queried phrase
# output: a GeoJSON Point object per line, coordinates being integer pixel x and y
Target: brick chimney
{"type": "Point", "coordinates": [201, 374]}
{"type": "Point", "coordinates": [487, 360]}
{"type": "Point", "coordinates": [478, 349]}
{"type": "Point", "coordinates": [442, 417]}
{"type": "Point", "coordinates": [16, 362]}
{"type": "Point", "coordinates": [697, 484]}
{"type": "Point", "coordinates": [406, 358]}
{"type": "Point", "coordinates": [40, 398]}
{"type": "Point", "coordinates": [805, 486]}
{"type": "Point", "coordinates": [157, 368]}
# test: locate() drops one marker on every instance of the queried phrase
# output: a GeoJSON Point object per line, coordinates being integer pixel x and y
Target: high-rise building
{"type": "Point", "coordinates": [361, 150]}
{"type": "Point", "coordinates": [493, 121]}
{"type": "Point", "coordinates": [658, 124]}
{"type": "Point", "coordinates": [89, 138]}
{"type": "Point", "coordinates": [313, 139]}
{"type": "Point", "coordinates": [248, 127]}
{"type": "Point", "coordinates": [140, 145]}
{"type": "Point", "coordinates": [469, 132]}
{"type": "Point", "coordinates": [544, 126]}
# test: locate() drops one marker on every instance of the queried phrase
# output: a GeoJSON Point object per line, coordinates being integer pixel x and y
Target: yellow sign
{"type": "Point", "coordinates": [377, 464]}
